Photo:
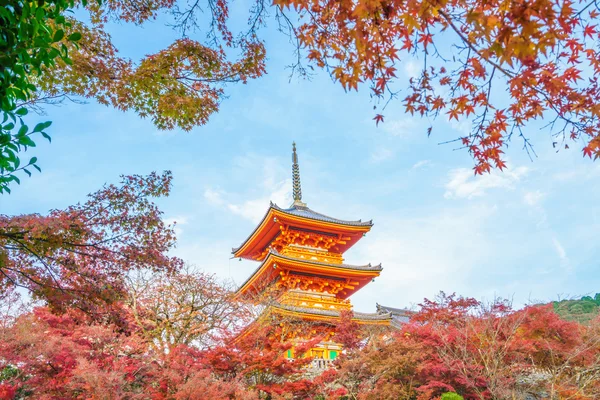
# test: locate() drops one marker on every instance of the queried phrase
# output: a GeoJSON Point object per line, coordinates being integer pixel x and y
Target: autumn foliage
{"type": "Point", "coordinates": [114, 316]}
{"type": "Point", "coordinates": [480, 351]}
{"type": "Point", "coordinates": [507, 67]}
{"type": "Point", "coordinates": [78, 257]}
{"type": "Point", "coordinates": [500, 64]}
{"type": "Point", "coordinates": [452, 345]}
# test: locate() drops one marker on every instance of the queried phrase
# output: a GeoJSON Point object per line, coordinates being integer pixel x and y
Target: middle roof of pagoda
{"type": "Point", "coordinates": [299, 217]}
{"type": "Point", "coordinates": [272, 266]}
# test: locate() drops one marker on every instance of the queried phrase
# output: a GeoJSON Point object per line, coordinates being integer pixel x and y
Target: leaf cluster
{"type": "Point", "coordinates": [32, 39]}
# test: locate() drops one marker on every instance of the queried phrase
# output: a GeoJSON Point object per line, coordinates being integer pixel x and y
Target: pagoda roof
{"type": "Point", "coordinates": [302, 217]}
{"type": "Point", "coordinates": [325, 314]}
{"type": "Point", "coordinates": [304, 211]}
{"type": "Point", "coordinates": [269, 270]}
{"type": "Point", "coordinates": [316, 314]}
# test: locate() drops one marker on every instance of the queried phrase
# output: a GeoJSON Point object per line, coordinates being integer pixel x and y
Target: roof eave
{"type": "Point", "coordinates": [371, 272]}
{"type": "Point", "coordinates": [273, 208]}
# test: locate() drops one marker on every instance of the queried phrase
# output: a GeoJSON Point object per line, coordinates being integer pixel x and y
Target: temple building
{"type": "Point", "coordinates": [302, 269]}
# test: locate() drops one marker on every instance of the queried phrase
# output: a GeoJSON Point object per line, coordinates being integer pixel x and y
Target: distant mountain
{"type": "Point", "coordinates": [582, 310]}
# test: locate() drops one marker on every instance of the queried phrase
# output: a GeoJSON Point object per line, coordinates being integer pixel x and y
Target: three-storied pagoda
{"type": "Point", "coordinates": [301, 257]}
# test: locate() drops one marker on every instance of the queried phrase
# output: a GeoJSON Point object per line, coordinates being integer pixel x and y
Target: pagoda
{"type": "Point", "coordinates": [300, 252]}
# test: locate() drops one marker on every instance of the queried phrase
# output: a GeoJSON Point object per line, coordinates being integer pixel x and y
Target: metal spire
{"type": "Point", "coordinates": [296, 179]}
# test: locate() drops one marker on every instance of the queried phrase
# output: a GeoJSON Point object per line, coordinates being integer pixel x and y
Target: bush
{"type": "Point", "coordinates": [451, 396]}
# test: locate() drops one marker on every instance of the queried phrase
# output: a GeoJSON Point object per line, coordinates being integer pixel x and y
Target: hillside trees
{"type": "Point", "coordinates": [582, 310]}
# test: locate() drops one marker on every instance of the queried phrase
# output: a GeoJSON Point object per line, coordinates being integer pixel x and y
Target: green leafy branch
{"type": "Point", "coordinates": [14, 141]}
{"type": "Point", "coordinates": [32, 37]}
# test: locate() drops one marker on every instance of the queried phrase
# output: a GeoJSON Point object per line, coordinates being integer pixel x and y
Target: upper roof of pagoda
{"type": "Point", "coordinates": [301, 218]}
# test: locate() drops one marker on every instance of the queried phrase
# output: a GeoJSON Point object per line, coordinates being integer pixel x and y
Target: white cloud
{"type": "Point", "coordinates": [533, 198]}
{"type": "Point", "coordinates": [464, 184]}
{"type": "Point", "coordinates": [422, 164]}
{"type": "Point", "coordinates": [254, 210]}
{"type": "Point", "coordinates": [579, 173]}
{"type": "Point", "coordinates": [279, 193]}
{"type": "Point", "coordinates": [463, 126]}
{"type": "Point", "coordinates": [266, 170]}
{"type": "Point", "coordinates": [381, 154]}
{"type": "Point", "coordinates": [423, 255]}
{"type": "Point", "coordinates": [562, 254]}
{"type": "Point", "coordinates": [213, 197]}
{"type": "Point", "coordinates": [413, 69]}
{"type": "Point", "coordinates": [400, 127]}
{"type": "Point", "coordinates": [177, 221]}
{"type": "Point", "coordinates": [560, 250]}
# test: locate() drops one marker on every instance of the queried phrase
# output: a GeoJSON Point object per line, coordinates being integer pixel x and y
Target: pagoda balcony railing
{"type": "Point", "coordinates": [321, 364]}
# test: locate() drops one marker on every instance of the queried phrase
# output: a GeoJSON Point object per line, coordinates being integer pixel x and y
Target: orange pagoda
{"type": "Point", "coordinates": [301, 257]}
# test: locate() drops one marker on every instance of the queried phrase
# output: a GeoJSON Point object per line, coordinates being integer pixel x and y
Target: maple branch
{"type": "Point", "coordinates": [509, 74]}
{"type": "Point", "coordinates": [472, 47]}
{"type": "Point", "coordinates": [588, 5]}
{"type": "Point", "coordinates": [292, 34]}
{"type": "Point", "coordinates": [185, 20]}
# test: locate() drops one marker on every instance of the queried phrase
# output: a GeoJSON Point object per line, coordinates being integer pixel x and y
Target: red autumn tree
{"type": "Point", "coordinates": [58, 356]}
{"type": "Point", "coordinates": [501, 64]}
{"type": "Point", "coordinates": [78, 257]}
{"type": "Point", "coordinates": [480, 351]}
{"type": "Point", "coordinates": [48, 356]}
{"type": "Point", "coordinates": [258, 355]}
{"type": "Point", "coordinates": [347, 332]}
{"type": "Point", "coordinates": [387, 368]}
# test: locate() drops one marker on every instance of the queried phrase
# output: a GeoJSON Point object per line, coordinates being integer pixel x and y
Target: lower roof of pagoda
{"type": "Point", "coordinates": [303, 218]}
{"type": "Point", "coordinates": [317, 314]}
{"type": "Point", "coordinates": [275, 264]}
{"type": "Point", "coordinates": [313, 314]}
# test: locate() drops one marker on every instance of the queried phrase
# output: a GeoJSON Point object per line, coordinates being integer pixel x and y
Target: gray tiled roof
{"type": "Point", "coordinates": [399, 315]}
{"type": "Point", "coordinates": [399, 311]}
{"type": "Point", "coordinates": [302, 211]}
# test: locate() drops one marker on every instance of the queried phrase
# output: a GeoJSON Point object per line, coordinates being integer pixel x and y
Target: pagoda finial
{"type": "Point", "coordinates": [296, 179]}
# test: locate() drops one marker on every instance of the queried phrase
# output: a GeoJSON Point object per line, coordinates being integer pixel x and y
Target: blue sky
{"type": "Point", "coordinates": [529, 233]}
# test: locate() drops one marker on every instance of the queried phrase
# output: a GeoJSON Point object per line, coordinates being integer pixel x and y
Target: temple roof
{"type": "Point", "coordinates": [305, 212]}
{"type": "Point", "coordinates": [319, 313]}
{"type": "Point", "coordinates": [367, 267]}
{"type": "Point", "coordinates": [300, 217]}
{"type": "Point", "coordinates": [315, 314]}
{"type": "Point", "coordinates": [363, 273]}
{"type": "Point", "coordinates": [399, 315]}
